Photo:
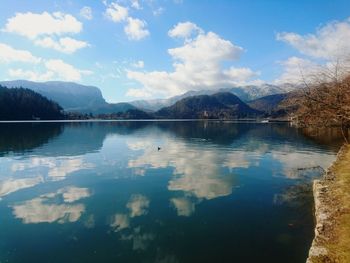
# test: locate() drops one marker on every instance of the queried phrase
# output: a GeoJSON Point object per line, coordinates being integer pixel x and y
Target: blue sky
{"type": "Point", "coordinates": [159, 48]}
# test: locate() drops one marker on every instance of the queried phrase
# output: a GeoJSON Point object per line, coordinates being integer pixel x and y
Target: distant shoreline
{"type": "Point", "coordinates": [146, 120]}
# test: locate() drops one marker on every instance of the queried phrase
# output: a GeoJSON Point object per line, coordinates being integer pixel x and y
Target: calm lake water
{"type": "Point", "coordinates": [103, 192]}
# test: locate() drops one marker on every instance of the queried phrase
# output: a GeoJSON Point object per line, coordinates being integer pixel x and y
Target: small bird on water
{"type": "Point", "coordinates": [159, 148]}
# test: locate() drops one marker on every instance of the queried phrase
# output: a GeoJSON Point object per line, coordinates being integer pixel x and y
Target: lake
{"type": "Point", "coordinates": [167, 191]}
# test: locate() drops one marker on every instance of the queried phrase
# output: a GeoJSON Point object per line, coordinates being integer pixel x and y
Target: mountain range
{"type": "Point", "coordinates": [245, 93]}
{"type": "Point", "coordinates": [222, 105]}
{"type": "Point", "coordinates": [234, 102]}
{"type": "Point", "coordinates": [72, 96]}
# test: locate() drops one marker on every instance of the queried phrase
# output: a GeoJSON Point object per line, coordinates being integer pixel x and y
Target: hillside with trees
{"type": "Point", "coordinates": [25, 104]}
{"type": "Point", "coordinates": [223, 105]}
{"type": "Point", "coordinates": [72, 97]}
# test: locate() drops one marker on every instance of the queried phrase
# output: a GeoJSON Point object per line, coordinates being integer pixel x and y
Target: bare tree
{"type": "Point", "coordinates": [325, 99]}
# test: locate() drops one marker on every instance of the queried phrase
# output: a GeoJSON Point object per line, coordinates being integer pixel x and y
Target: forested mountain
{"type": "Point", "coordinates": [25, 104]}
{"type": "Point", "coordinates": [223, 105]}
{"type": "Point", "coordinates": [72, 96]}
{"type": "Point", "coordinates": [108, 108]}
{"type": "Point", "coordinates": [132, 114]}
{"type": "Point", "coordinates": [269, 104]}
{"type": "Point", "coordinates": [277, 105]}
{"type": "Point", "coordinates": [75, 97]}
{"type": "Point", "coordinates": [87, 101]}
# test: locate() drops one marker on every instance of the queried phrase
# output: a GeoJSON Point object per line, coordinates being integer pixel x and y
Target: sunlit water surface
{"type": "Point", "coordinates": [104, 192]}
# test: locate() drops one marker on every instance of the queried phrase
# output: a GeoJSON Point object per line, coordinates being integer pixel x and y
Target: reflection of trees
{"type": "Point", "coordinates": [298, 196]}
{"type": "Point", "coordinates": [80, 138]}
{"type": "Point", "coordinates": [331, 137]}
{"type": "Point", "coordinates": [201, 170]}
{"type": "Point", "coordinates": [215, 131]}
{"type": "Point", "coordinates": [19, 137]}
{"type": "Point", "coordinates": [225, 133]}
{"type": "Point", "coordinates": [65, 138]}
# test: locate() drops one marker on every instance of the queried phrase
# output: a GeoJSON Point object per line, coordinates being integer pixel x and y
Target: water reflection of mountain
{"type": "Point", "coordinates": [20, 137]}
{"type": "Point", "coordinates": [202, 170]}
{"type": "Point", "coordinates": [224, 133]}
{"type": "Point", "coordinates": [66, 139]}
{"type": "Point", "coordinates": [69, 139]}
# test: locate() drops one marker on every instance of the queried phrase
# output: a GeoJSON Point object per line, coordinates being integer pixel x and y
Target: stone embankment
{"type": "Point", "coordinates": [332, 212]}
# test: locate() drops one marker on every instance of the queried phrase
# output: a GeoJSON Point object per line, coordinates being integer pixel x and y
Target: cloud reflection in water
{"type": "Point", "coordinates": [47, 208]}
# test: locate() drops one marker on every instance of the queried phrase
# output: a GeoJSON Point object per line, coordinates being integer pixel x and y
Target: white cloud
{"type": "Point", "coordinates": [138, 205]}
{"type": "Point", "coordinates": [120, 222]}
{"type": "Point", "coordinates": [51, 69]}
{"type": "Point", "coordinates": [322, 50]}
{"type": "Point", "coordinates": [33, 25]}
{"type": "Point", "coordinates": [139, 145]}
{"type": "Point", "coordinates": [30, 75]}
{"type": "Point", "coordinates": [9, 54]}
{"type": "Point", "coordinates": [206, 48]}
{"type": "Point", "coordinates": [14, 184]}
{"type": "Point", "coordinates": [158, 11]}
{"type": "Point", "coordinates": [197, 65]}
{"type": "Point", "coordinates": [239, 74]}
{"type": "Point", "coordinates": [237, 159]}
{"type": "Point", "coordinates": [116, 12]}
{"type": "Point", "coordinates": [65, 44]}
{"type": "Point", "coordinates": [44, 209]}
{"type": "Point", "coordinates": [183, 205]}
{"type": "Point", "coordinates": [296, 69]}
{"type": "Point", "coordinates": [329, 42]}
{"type": "Point", "coordinates": [138, 64]}
{"type": "Point", "coordinates": [184, 30]}
{"type": "Point", "coordinates": [135, 4]}
{"type": "Point", "coordinates": [45, 30]}
{"type": "Point", "coordinates": [38, 211]}
{"type": "Point", "coordinates": [138, 93]}
{"type": "Point", "coordinates": [71, 194]}
{"type": "Point", "coordinates": [86, 12]}
{"type": "Point", "coordinates": [135, 29]}
{"type": "Point", "coordinates": [56, 168]}
{"type": "Point", "coordinates": [196, 173]}
{"type": "Point", "coordinates": [64, 70]}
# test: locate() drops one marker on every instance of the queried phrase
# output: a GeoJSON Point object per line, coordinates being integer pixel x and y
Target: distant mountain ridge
{"type": "Point", "coordinates": [72, 96]}
{"type": "Point", "coordinates": [222, 105]}
{"type": "Point", "coordinates": [84, 99]}
{"type": "Point", "coordinates": [245, 93]}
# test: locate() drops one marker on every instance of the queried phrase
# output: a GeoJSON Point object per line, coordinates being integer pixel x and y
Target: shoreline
{"type": "Point", "coordinates": [332, 212]}
{"type": "Point", "coordinates": [146, 120]}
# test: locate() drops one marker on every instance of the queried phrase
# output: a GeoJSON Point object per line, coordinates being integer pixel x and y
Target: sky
{"type": "Point", "coordinates": [144, 49]}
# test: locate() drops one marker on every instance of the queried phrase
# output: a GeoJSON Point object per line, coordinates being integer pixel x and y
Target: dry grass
{"type": "Point", "coordinates": [334, 234]}
{"type": "Point", "coordinates": [341, 246]}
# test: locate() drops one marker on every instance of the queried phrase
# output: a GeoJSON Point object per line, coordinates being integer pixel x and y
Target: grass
{"type": "Point", "coordinates": [335, 236]}
{"type": "Point", "coordinates": [340, 247]}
